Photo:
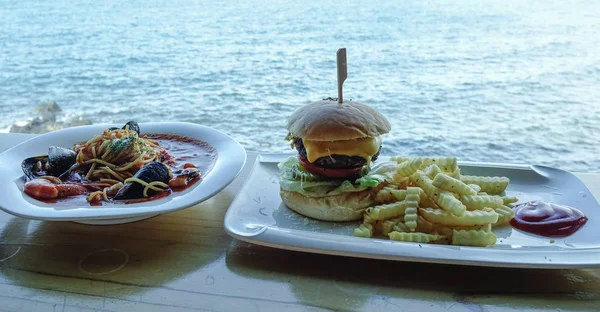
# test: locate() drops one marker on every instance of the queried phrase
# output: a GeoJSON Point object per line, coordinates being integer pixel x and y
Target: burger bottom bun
{"type": "Point", "coordinates": [344, 207]}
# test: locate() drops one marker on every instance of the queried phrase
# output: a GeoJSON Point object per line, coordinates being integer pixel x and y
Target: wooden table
{"type": "Point", "coordinates": [184, 261]}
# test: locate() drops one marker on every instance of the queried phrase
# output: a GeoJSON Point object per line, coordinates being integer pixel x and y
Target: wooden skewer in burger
{"type": "Point", "coordinates": [334, 177]}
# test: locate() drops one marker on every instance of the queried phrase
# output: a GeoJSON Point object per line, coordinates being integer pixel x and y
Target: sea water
{"type": "Point", "coordinates": [497, 81]}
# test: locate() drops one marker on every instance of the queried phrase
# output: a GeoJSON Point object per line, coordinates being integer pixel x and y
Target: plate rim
{"type": "Point", "coordinates": [232, 164]}
{"type": "Point", "coordinates": [269, 239]}
{"type": "Point", "coordinates": [288, 239]}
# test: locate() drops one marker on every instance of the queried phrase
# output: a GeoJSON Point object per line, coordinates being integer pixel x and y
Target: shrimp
{"type": "Point", "coordinates": [45, 189]}
{"type": "Point", "coordinates": [107, 191]}
{"type": "Point", "coordinates": [188, 174]}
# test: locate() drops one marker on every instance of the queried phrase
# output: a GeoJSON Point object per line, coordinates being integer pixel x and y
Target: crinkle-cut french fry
{"type": "Point", "coordinates": [485, 227]}
{"type": "Point", "coordinates": [387, 226]}
{"type": "Point", "coordinates": [470, 218]}
{"type": "Point", "coordinates": [424, 225]}
{"type": "Point", "coordinates": [408, 167]}
{"type": "Point", "coordinates": [414, 237]}
{"type": "Point", "coordinates": [474, 202]}
{"type": "Point", "coordinates": [400, 181]}
{"type": "Point", "coordinates": [364, 230]}
{"type": "Point", "coordinates": [448, 231]}
{"type": "Point", "coordinates": [412, 203]}
{"type": "Point", "coordinates": [505, 213]}
{"type": "Point", "coordinates": [475, 187]}
{"type": "Point", "coordinates": [482, 193]}
{"type": "Point", "coordinates": [455, 174]}
{"type": "Point", "coordinates": [448, 202]}
{"type": "Point", "coordinates": [479, 238]}
{"type": "Point", "coordinates": [399, 194]}
{"type": "Point", "coordinates": [384, 196]}
{"type": "Point", "coordinates": [389, 187]}
{"type": "Point", "coordinates": [368, 219]}
{"type": "Point", "coordinates": [424, 182]}
{"type": "Point", "coordinates": [426, 201]}
{"type": "Point", "coordinates": [509, 200]}
{"type": "Point", "coordinates": [493, 185]}
{"type": "Point", "coordinates": [387, 211]}
{"type": "Point", "coordinates": [432, 170]}
{"type": "Point", "coordinates": [389, 195]}
{"type": "Point", "coordinates": [450, 184]}
{"type": "Point", "coordinates": [444, 230]}
{"type": "Point", "coordinates": [400, 159]}
{"type": "Point", "coordinates": [368, 227]}
{"type": "Point", "coordinates": [447, 164]}
{"type": "Point", "coordinates": [401, 227]}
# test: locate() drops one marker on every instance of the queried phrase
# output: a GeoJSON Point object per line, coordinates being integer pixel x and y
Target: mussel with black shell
{"type": "Point", "coordinates": [132, 126]}
{"type": "Point", "coordinates": [58, 161]}
{"type": "Point", "coordinates": [152, 172]}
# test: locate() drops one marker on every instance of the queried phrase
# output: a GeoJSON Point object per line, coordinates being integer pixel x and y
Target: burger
{"type": "Point", "coordinates": [334, 176]}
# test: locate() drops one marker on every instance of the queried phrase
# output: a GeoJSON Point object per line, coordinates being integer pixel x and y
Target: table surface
{"type": "Point", "coordinates": [184, 261]}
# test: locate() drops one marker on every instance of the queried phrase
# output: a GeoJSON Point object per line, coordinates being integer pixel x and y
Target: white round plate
{"type": "Point", "coordinates": [231, 158]}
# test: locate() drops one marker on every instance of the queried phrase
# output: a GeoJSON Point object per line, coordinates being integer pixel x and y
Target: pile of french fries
{"type": "Point", "coordinates": [429, 201]}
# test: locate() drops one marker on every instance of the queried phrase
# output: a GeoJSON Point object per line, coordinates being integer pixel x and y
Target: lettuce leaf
{"type": "Point", "coordinates": [370, 181]}
{"type": "Point", "coordinates": [293, 177]}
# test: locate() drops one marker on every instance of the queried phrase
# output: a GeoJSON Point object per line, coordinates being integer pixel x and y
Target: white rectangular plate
{"type": "Point", "coordinates": [257, 215]}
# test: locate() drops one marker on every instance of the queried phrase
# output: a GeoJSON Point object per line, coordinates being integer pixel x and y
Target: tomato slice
{"type": "Point", "coordinates": [327, 172]}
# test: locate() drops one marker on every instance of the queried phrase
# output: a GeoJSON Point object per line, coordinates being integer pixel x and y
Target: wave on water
{"type": "Point", "coordinates": [494, 82]}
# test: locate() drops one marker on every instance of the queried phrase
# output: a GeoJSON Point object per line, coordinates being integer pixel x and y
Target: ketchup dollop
{"type": "Point", "coordinates": [547, 219]}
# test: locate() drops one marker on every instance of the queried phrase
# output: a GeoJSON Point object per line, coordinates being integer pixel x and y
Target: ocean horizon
{"type": "Point", "coordinates": [512, 82]}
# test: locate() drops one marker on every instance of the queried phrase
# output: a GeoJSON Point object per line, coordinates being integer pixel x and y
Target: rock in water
{"type": "Point", "coordinates": [50, 107]}
{"type": "Point", "coordinates": [79, 121]}
{"type": "Point", "coordinates": [47, 112]}
{"type": "Point", "coordinates": [46, 121]}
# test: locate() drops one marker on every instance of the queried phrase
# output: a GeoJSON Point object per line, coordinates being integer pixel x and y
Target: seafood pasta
{"type": "Point", "coordinates": [118, 165]}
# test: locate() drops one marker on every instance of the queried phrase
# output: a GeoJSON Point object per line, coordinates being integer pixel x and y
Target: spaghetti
{"type": "Point", "coordinates": [115, 156]}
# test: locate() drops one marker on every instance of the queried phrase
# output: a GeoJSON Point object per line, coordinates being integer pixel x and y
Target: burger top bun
{"type": "Point", "coordinates": [328, 120]}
